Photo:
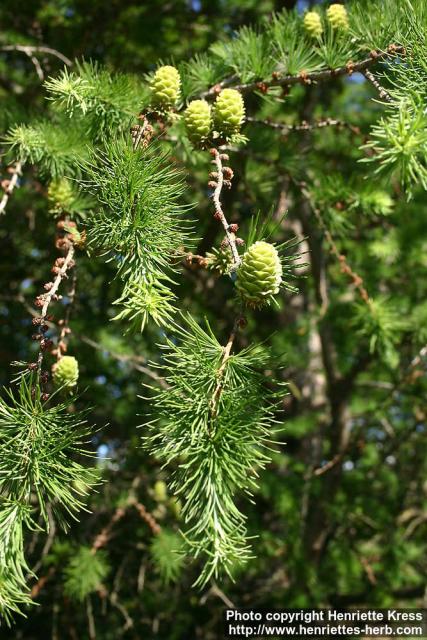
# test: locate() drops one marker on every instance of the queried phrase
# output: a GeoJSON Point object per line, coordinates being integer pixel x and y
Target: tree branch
{"type": "Point", "coordinates": [313, 77]}
{"type": "Point", "coordinates": [219, 213]}
{"type": "Point", "coordinates": [30, 50]}
{"type": "Point", "coordinates": [9, 185]}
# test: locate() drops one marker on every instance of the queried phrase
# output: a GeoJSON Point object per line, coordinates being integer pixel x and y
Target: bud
{"type": "Point", "coordinates": [198, 121]}
{"type": "Point", "coordinates": [66, 372]}
{"type": "Point", "coordinates": [220, 260]}
{"type": "Point", "coordinates": [259, 275]}
{"type": "Point", "coordinates": [160, 491]}
{"type": "Point", "coordinates": [165, 87]}
{"type": "Point", "coordinates": [338, 17]}
{"type": "Point", "coordinates": [229, 112]}
{"type": "Point", "coordinates": [313, 24]}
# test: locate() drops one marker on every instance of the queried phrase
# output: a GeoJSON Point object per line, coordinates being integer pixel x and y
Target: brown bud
{"type": "Point", "coordinates": [224, 157]}
{"type": "Point", "coordinates": [350, 67]}
{"type": "Point", "coordinates": [212, 184]}
{"type": "Point", "coordinates": [213, 152]}
{"type": "Point", "coordinates": [233, 228]}
{"type": "Point", "coordinates": [217, 215]}
{"type": "Point", "coordinates": [228, 173]}
{"type": "Point", "coordinates": [240, 241]}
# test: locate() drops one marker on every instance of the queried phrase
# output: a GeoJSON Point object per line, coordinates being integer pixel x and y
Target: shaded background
{"type": "Point", "coordinates": [354, 535]}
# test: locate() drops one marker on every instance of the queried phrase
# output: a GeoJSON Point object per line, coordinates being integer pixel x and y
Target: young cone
{"type": "Point", "coordinates": [60, 194]}
{"type": "Point", "coordinates": [260, 274]}
{"type": "Point", "coordinates": [166, 86]}
{"type": "Point", "coordinates": [229, 112]}
{"type": "Point", "coordinates": [313, 24]}
{"type": "Point", "coordinates": [66, 372]}
{"type": "Point", "coordinates": [337, 16]}
{"type": "Point", "coordinates": [198, 121]}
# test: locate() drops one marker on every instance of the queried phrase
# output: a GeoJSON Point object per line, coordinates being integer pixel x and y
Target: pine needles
{"type": "Point", "coordinates": [39, 444]}
{"type": "Point", "coordinates": [214, 425]}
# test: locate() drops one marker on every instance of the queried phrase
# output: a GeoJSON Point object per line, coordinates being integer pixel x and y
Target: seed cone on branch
{"type": "Point", "coordinates": [166, 87]}
{"type": "Point", "coordinates": [229, 112]}
{"type": "Point", "coordinates": [66, 373]}
{"type": "Point", "coordinates": [260, 275]}
{"type": "Point", "coordinates": [338, 16]}
{"type": "Point", "coordinates": [198, 121]}
{"type": "Point", "coordinates": [60, 194]}
{"type": "Point", "coordinates": [313, 24]}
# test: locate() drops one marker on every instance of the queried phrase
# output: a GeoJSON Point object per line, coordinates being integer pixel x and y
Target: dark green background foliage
{"type": "Point", "coordinates": [356, 370]}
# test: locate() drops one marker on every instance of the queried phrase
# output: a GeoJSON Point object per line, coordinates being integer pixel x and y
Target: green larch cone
{"type": "Point", "coordinates": [60, 193]}
{"type": "Point", "coordinates": [313, 24]}
{"type": "Point", "coordinates": [229, 112]}
{"type": "Point", "coordinates": [260, 274]}
{"type": "Point", "coordinates": [166, 87]}
{"type": "Point", "coordinates": [198, 121]}
{"type": "Point", "coordinates": [337, 16]}
{"type": "Point", "coordinates": [66, 372]}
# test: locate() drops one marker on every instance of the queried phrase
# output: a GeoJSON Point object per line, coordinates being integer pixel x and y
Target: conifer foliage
{"type": "Point", "coordinates": [130, 169]}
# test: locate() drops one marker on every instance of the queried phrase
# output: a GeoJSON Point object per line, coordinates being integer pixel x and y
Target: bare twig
{"type": "Point", "coordinates": [148, 517]}
{"type": "Point", "coordinates": [64, 323]}
{"type": "Point", "coordinates": [9, 185]}
{"type": "Point", "coordinates": [30, 50]}
{"type": "Point", "coordinates": [51, 294]}
{"type": "Point", "coordinates": [383, 93]}
{"type": "Point", "coordinates": [104, 536]}
{"type": "Point", "coordinates": [219, 213]}
{"type": "Point", "coordinates": [304, 126]}
{"type": "Point", "coordinates": [329, 465]}
{"type": "Point", "coordinates": [345, 267]}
